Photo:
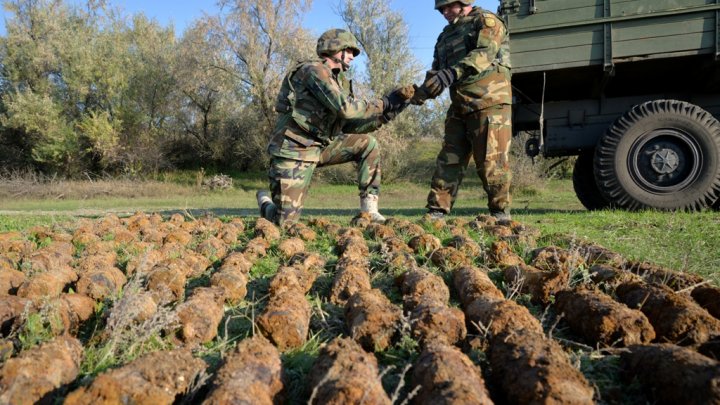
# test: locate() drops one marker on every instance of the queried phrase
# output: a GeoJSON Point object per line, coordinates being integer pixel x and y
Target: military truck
{"type": "Point", "coordinates": [632, 87]}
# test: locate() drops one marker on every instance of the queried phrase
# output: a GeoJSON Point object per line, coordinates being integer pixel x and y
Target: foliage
{"type": "Point", "coordinates": [85, 88]}
{"type": "Point", "coordinates": [54, 143]}
{"type": "Point", "coordinates": [102, 132]}
{"type": "Point", "coordinates": [37, 328]}
{"type": "Point", "coordinates": [205, 85]}
{"type": "Point", "coordinates": [263, 38]}
{"type": "Point", "coordinates": [383, 35]}
{"type": "Point", "coordinates": [74, 80]}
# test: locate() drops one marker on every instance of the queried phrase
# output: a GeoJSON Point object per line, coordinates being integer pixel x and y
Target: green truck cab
{"type": "Point", "coordinates": [632, 87]}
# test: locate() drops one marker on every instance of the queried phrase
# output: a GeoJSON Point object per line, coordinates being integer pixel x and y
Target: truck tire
{"type": "Point", "coordinates": [662, 154]}
{"type": "Point", "coordinates": [586, 188]}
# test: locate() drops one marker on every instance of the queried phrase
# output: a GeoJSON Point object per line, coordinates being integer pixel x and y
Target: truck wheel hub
{"type": "Point", "coordinates": [665, 161]}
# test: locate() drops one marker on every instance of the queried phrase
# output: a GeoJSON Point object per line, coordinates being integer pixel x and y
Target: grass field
{"type": "Point", "coordinates": [681, 241]}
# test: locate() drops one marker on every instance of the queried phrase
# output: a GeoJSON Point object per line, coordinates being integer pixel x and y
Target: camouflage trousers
{"type": "Point", "coordinates": [485, 135]}
{"type": "Point", "coordinates": [290, 179]}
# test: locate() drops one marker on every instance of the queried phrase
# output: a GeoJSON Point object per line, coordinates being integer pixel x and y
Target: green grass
{"type": "Point", "coordinates": [682, 241]}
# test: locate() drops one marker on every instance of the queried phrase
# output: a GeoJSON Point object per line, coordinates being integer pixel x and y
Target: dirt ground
{"type": "Point", "coordinates": [226, 310]}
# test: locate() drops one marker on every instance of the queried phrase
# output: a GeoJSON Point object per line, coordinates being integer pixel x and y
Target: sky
{"type": "Point", "coordinates": [423, 21]}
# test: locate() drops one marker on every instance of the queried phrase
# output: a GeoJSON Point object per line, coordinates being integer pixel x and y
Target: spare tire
{"type": "Point", "coordinates": [662, 154]}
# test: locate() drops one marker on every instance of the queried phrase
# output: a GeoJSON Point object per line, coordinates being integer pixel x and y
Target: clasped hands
{"type": "Point", "coordinates": [435, 82]}
{"type": "Point", "coordinates": [396, 102]}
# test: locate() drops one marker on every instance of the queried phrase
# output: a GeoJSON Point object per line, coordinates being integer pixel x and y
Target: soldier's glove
{"type": "Point", "coordinates": [419, 95]}
{"type": "Point", "coordinates": [395, 98]}
{"type": "Point", "coordinates": [390, 114]}
{"type": "Point", "coordinates": [439, 81]}
{"type": "Point", "coordinates": [395, 102]}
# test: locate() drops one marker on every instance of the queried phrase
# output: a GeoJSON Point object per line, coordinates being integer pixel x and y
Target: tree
{"type": "Point", "coordinates": [383, 35]}
{"type": "Point", "coordinates": [149, 103]}
{"type": "Point", "coordinates": [34, 97]}
{"type": "Point", "coordinates": [209, 98]}
{"type": "Point", "coordinates": [264, 38]}
{"type": "Point", "coordinates": [97, 86]}
{"type": "Point", "coordinates": [33, 30]}
{"type": "Point", "coordinates": [40, 120]}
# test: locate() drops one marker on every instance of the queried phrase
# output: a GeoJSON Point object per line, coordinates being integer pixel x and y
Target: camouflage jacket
{"type": "Point", "coordinates": [477, 47]}
{"type": "Point", "coordinates": [315, 105]}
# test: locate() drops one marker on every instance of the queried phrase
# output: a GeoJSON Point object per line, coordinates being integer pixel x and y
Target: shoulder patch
{"type": "Point", "coordinates": [489, 20]}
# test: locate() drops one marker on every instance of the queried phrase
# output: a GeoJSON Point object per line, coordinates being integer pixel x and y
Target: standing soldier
{"type": "Point", "coordinates": [472, 58]}
{"type": "Point", "coordinates": [321, 124]}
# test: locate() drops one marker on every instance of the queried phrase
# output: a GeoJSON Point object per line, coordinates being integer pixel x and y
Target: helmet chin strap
{"type": "Point", "coordinates": [341, 61]}
{"type": "Point", "coordinates": [462, 14]}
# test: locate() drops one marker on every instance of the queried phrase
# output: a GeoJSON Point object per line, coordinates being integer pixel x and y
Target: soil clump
{"type": "Point", "coordinates": [251, 374]}
{"type": "Point", "coordinates": [447, 376]}
{"type": "Point", "coordinates": [671, 374]}
{"type": "Point", "coordinates": [372, 320]}
{"type": "Point", "coordinates": [37, 372]}
{"type": "Point", "coordinates": [602, 321]}
{"type": "Point", "coordinates": [675, 318]}
{"type": "Point", "coordinates": [345, 374]}
{"type": "Point", "coordinates": [709, 298]}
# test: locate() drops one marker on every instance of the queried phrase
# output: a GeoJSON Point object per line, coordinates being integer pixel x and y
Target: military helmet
{"type": "Point", "coordinates": [335, 40]}
{"type": "Point", "coordinates": [441, 3]}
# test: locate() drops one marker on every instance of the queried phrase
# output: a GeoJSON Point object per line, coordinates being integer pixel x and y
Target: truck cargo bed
{"type": "Point", "coordinates": [560, 34]}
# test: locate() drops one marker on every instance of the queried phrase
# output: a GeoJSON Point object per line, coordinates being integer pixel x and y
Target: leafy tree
{"type": "Point", "coordinates": [104, 87]}
{"type": "Point", "coordinates": [53, 142]}
{"type": "Point", "coordinates": [29, 53]}
{"type": "Point", "coordinates": [150, 100]}
{"type": "Point", "coordinates": [207, 98]}
{"type": "Point", "coordinates": [102, 133]}
{"type": "Point", "coordinates": [383, 35]}
{"type": "Point", "coordinates": [264, 38]}
{"type": "Point", "coordinates": [33, 82]}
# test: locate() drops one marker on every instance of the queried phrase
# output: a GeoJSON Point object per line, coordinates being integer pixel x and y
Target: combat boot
{"type": "Point", "coordinates": [369, 204]}
{"type": "Point", "coordinates": [268, 210]}
{"type": "Point", "coordinates": [435, 215]}
{"type": "Point", "coordinates": [501, 215]}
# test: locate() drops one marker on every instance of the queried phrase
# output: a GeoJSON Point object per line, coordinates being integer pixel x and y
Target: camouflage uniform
{"type": "Point", "coordinates": [317, 107]}
{"type": "Point", "coordinates": [478, 123]}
